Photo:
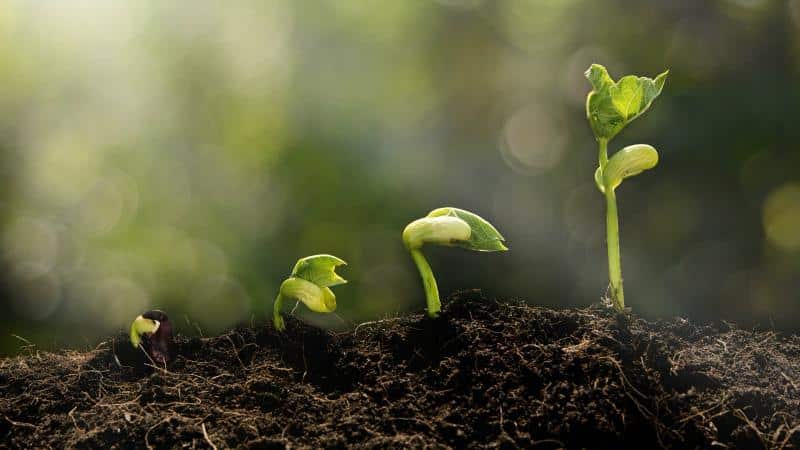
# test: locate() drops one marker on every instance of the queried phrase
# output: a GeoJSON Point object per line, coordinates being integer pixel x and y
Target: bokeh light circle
{"type": "Point", "coordinates": [781, 217]}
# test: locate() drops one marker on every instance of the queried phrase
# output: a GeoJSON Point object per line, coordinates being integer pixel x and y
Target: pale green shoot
{"type": "Point", "coordinates": [142, 325]}
{"type": "Point", "coordinates": [310, 284]}
{"type": "Point", "coordinates": [450, 227]}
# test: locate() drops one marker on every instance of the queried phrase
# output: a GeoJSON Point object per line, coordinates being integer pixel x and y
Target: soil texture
{"type": "Point", "coordinates": [485, 374]}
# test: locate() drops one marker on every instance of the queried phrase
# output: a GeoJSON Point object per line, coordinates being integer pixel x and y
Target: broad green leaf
{"type": "Point", "coordinates": [320, 270]}
{"type": "Point", "coordinates": [598, 76]}
{"type": "Point", "coordinates": [629, 161]}
{"type": "Point", "coordinates": [611, 105]}
{"type": "Point", "coordinates": [627, 96]}
{"type": "Point", "coordinates": [483, 237]}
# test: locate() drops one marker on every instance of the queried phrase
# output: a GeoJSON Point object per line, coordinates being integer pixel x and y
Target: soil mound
{"type": "Point", "coordinates": [484, 374]}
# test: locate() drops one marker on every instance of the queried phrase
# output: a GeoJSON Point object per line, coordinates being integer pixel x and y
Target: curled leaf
{"type": "Point", "coordinates": [483, 236]}
{"type": "Point", "coordinates": [317, 298]}
{"type": "Point", "coordinates": [310, 283]}
{"type": "Point", "coordinates": [320, 270]}
{"type": "Point", "coordinates": [445, 230]}
{"type": "Point", "coordinates": [611, 105]}
{"type": "Point", "coordinates": [142, 325]}
{"type": "Point", "coordinates": [629, 161]}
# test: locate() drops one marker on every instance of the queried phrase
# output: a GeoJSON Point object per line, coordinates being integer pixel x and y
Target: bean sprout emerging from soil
{"type": "Point", "coordinates": [152, 332]}
{"type": "Point", "coordinates": [450, 227]}
{"type": "Point", "coordinates": [611, 106]}
{"type": "Point", "coordinates": [310, 284]}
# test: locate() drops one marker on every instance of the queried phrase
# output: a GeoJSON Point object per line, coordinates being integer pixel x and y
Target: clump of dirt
{"type": "Point", "coordinates": [484, 374]}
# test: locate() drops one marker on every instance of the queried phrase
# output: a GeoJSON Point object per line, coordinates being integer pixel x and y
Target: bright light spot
{"type": "Point", "coordinates": [782, 217]}
{"type": "Point", "coordinates": [532, 141]}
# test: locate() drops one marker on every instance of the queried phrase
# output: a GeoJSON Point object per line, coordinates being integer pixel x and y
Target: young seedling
{"type": "Point", "coordinates": [610, 107]}
{"type": "Point", "coordinates": [310, 283]}
{"type": "Point", "coordinates": [152, 332]}
{"type": "Point", "coordinates": [453, 228]}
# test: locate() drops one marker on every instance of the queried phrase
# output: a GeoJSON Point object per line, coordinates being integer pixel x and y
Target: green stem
{"type": "Point", "coordinates": [429, 282]}
{"type": "Point", "coordinates": [614, 260]}
{"type": "Point", "coordinates": [612, 236]}
{"type": "Point", "coordinates": [277, 319]}
{"type": "Point", "coordinates": [603, 157]}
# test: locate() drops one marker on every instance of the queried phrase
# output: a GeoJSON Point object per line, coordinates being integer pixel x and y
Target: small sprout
{"type": "Point", "coordinates": [310, 283]}
{"type": "Point", "coordinates": [449, 227]}
{"type": "Point", "coordinates": [610, 107]}
{"type": "Point", "coordinates": [152, 332]}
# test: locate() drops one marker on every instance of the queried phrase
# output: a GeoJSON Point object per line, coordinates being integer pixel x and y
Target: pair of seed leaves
{"type": "Point", "coordinates": [311, 280]}
{"type": "Point", "coordinates": [475, 233]}
{"type": "Point", "coordinates": [453, 227]}
{"type": "Point", "coordinates": [313, 276]}
{"type": "Point", "coordinates": [610, 107]}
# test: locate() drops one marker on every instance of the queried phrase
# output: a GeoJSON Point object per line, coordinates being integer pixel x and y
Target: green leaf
{"type": "Point", "coordinates": [611, 105]}
{"type": "Point", "coordinates": [320, 270]}
{"type": "Point", "coordinates": [483, 238]}
{"type": "Point", "coordinates": [629, 161]}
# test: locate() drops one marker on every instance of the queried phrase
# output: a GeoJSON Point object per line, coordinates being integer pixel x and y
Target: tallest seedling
{"type": "Point", "coordinates": [610, 107]}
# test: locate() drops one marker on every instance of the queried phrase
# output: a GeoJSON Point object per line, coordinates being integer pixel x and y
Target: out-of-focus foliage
{"type": "Point", "coordinates": [179, 156]}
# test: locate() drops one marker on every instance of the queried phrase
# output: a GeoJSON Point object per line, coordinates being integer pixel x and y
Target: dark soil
{"type": "Point", "coordinates": [485, 374]}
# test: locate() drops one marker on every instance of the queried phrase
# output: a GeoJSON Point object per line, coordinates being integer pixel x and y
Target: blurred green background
{"type": "Point", "coordinates": [183, 155]}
